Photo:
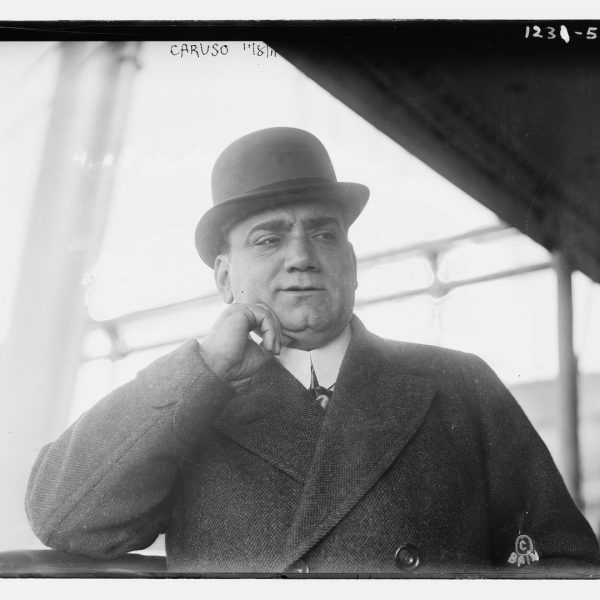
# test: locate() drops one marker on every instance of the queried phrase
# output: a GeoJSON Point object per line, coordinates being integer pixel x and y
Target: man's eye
{"type": "Point", "coordinates": [267, 240]}
{"type": "Point", "coordinates": [328, 236]}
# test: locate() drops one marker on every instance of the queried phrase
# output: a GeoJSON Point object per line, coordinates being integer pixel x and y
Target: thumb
{"type": "Point", "coordinates": [266, 353]}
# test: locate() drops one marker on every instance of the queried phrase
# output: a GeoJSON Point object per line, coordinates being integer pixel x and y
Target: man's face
{"type": "Point", "coordinates": [296, 259]}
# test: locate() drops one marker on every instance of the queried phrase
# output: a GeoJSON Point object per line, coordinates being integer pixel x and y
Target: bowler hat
{"type": "Point", "coordinates": [267, 168]}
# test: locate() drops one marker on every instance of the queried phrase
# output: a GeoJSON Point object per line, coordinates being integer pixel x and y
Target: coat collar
{"type": "Point", "coordinates": [276, 418]}
{"type": "Point", "coordinates": [377, 407]}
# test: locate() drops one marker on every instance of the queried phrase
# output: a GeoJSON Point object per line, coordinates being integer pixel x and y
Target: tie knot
{"type": "Point", "coordinates": [322, 394]}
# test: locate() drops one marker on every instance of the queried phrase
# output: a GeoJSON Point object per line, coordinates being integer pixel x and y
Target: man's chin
{"type": "Point", "coordinates": [309, 334]}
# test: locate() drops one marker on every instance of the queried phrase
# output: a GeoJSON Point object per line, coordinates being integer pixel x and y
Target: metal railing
{"type": "Point", "coordinates": [429, 250]}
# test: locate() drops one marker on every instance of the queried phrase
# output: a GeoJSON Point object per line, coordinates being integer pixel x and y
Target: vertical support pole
{"type": "Point", "coordinates": [568, 412]}
{"type": "Point", "coordinates": [437, 293]}
{"type": "Point", "coordinates": [67, 221]}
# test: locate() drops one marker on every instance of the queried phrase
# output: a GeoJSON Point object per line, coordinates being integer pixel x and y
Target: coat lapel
{"type": "Point", "coordinates": [376, 409]}
{"type": "Point", "coordinates": [276, 418]}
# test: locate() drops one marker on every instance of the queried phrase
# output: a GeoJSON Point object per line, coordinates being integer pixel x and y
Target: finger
{"type": "Point", "coordinates": [272, 335]}
{"type": "Point", "coordinates": [282, 338]}
{"type": "Point", "coordinates": [266, 325]}
{"type": "Point", "coordinates": [287, 337]}
{"type": "Point", "coordinates": [286, 340]}
{"type": "Point", "coordinates": [266, 353]}
{"type": "Point", "coordinates": [277, 329]}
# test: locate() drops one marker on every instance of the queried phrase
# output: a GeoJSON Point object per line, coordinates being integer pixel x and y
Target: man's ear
{"type": "Point", "coordinates": [222, 278]}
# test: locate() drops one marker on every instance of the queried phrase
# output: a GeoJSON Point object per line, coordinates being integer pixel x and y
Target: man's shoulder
{"type": "Point", "coordinates": [463, 386]}
{"type": "Point", "coordinates": [448, 369]}
{"type": "Point", "coordinates": [428, 358]}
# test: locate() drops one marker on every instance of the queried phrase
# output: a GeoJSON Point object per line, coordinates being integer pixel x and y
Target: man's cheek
{"type": "Point", "coordinates": [294, 316]}
{"type": "Point", "coordinates": [249, 295]}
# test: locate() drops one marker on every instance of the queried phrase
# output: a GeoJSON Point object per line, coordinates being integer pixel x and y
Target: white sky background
{"type": "Point", "coordinates": [185, 110]}
{"type": "Point", "coordinates": [27, 78]}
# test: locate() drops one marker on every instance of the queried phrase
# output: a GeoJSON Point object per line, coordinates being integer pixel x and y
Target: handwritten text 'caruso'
{"type": "Point", "coordinates": [200, 49]}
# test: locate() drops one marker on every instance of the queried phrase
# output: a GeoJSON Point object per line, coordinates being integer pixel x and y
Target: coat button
{"type": "Point", "coordinates": [299, 566]}
{"type": "Point", "coordinates": [407, 557]}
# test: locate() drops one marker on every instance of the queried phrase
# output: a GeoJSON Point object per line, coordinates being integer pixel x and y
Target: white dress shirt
{"type": "Point", "coordinates": [326, 361]}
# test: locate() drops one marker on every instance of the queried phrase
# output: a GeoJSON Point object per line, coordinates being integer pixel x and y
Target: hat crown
{"type": "Point", "coordinates": [278, 156]}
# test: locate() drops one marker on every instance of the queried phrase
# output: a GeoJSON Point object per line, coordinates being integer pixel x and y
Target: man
{"type": "Point", "coordinates": [321, 448]}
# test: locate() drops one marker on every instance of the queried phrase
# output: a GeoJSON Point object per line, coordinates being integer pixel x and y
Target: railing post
{"type": "Point", "coordinates": [568, 409]}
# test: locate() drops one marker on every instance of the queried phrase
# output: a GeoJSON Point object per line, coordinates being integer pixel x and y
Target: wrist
{"type": "Point", "coordinates": [215, 363]}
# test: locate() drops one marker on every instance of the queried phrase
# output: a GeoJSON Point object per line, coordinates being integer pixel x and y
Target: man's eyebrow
{"type": "Point", "coordinates": [282, 225]}
{"type": "Point", "coordinates": [317, 222]}
{"type": "Point", "coordinates": [272, 225]}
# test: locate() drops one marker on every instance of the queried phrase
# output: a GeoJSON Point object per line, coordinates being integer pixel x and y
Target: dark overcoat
{"type": "Point", "coordinates": [422, 463]}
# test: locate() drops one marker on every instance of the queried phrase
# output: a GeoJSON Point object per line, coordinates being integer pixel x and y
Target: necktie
{"type": "Point", "coordinates": [322, 394]}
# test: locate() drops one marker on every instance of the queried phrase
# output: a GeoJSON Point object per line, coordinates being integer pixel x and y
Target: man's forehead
{"type": "Point", "coordinates": [292, 213]}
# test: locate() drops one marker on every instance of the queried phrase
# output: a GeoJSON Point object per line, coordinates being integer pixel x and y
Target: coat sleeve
{"type": "Point", "coordinates": [526, 493]}
{"type": "Point", "coordinates": [102, 489]}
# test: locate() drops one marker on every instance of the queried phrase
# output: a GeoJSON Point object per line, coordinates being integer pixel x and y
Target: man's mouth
{"type": "Point", "coordinates": [302, 288]}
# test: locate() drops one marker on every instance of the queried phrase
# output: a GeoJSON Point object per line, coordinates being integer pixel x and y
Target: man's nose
{"type": "Point", "coordinates": [300, 255]}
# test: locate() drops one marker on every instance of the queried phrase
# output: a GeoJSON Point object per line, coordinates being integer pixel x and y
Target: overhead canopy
{"type": "Point", "coordinates": [511, 115]}
{"type": "Point", "coordinates": [513, 121]}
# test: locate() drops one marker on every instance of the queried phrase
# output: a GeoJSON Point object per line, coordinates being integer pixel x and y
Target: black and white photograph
{"type": "Point", "coordinates": [300, 300]}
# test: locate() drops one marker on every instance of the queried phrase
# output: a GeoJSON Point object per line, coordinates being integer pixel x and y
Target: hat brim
{"type": "Point", "coordinates": [350, 197]}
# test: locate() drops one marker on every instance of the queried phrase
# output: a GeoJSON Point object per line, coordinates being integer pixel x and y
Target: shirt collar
{"type": "Point", "coordinates": [326, 360]}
